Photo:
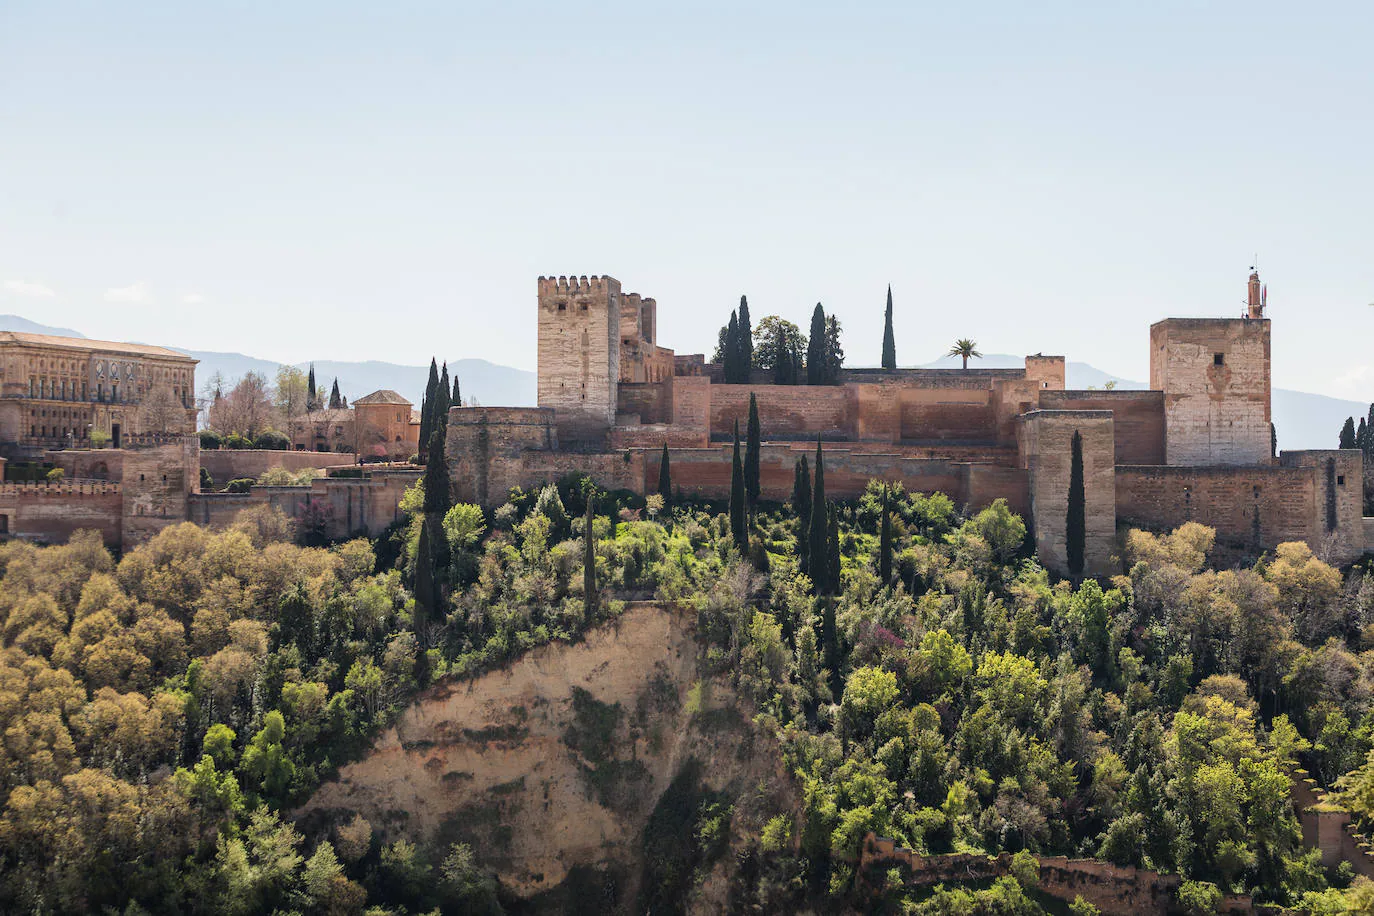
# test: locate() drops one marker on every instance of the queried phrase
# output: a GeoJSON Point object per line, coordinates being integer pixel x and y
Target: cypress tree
{"type": "Point", "coordinates": [832, 552]}
{"type": "Point", "coordinates": [834, 352]}
{"type": "Point", "coordinates": [1361, 435]}
{"type": "Point", "coordinates": [731, 356]}
{"type": "Point", "coordinates": [427, 406]}
{"type": "Point", "coordinates": [745, 342]}
{"type": "Point", "coordinates": [457, 399]}
{"type": "Point", "coordinates": [798, 365]}
{"type": "Point", "coordinates": [885, 541]}
{"type": "Point", "coordinates": [815, 348]}
{"type": "Point", "coordinates": [1369, 433]}
{"type": "Point", "coordinates": [437, 500]}
{"type": "Point", "coordinates": [738, 516]}
{"type": "Point", "coordinates": [590, 597]}
{"type": "Point", "coordinates": [424, 585]}
{"type": "Point", "coordinates": [801, 504]}
{"type": "Point", "coordinates": [335, 399]}
{"type": "Point", "coordinates": [311, 395]}
{"type": "Point", "coordinates": [830, 646]}
{"type": "Point", "coordinates": [665, 480]}
{"type": "Point", "coordinates": [440, 422]}
{"type": "Point", "coordinates": [889, 341]}
{"type": "Point", "coordinates": [1076, 521]}
{"type": "Point", "coordinates": [816, 532]}
{"type": "Point", "coordinates": [1348, 433]}
{"type": "Point", "coordinates": [751, 453]}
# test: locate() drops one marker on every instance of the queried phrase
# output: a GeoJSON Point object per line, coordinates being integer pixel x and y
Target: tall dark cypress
{"type": "Point", "coordinates": [335, 399]}
{"type": "Point", "coordinates": [731, 355]}
{"type": "Point", "coordinates": [441, 404]}
{"type": "Point", "coordinates": [1076, 521]}
{"type": "Point", "coordinates": [311, 394]}
{"type": "Point", "coordinates": [1369, 434]}
{"type": "Point", "coordinates": [739, 524]}
{"type": "Point", "coordinates": [426, 594]}
{"type": "Point", "coordinates": [665, 478]}
{"type": "Point", "coordinates": [438, 499]}
{"type": "Point", "coordinates": [885, 540]}
{"type": "Point", "coordinates": [816, 532]}
{"type": "Point", "coordinates": [889, 341]}
{"type": "Point", "coordinates": [1361, 435]}
{"type": "Point", "coordinates": [427, 406]}
{"type": "Point", "coordinates": [832, 552]}
{"type": "Point", "coordinates": [830, 647]}
{"type": "Point", "coordinates": [815, 349]}
{"type": "Point", "coordinates": [746, 341]}
{"type": "Point", "coordinates": [1348, 433]}
{"type": "Point", "coordinates": [751, 453]}
{"type": "Point", "coordinates": [801, 504]}
{"type": "Point", "coordinates": [590, 595]}
{"type": "Point", "coordinates": [457, 399]}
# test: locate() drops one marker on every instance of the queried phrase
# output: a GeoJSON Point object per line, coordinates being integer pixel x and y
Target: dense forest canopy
{"type": "Point", "coordinates": [164, 713]}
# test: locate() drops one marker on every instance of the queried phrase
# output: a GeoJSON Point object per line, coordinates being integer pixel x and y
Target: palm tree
{"type": "Point", "coordinates": [965, 348]}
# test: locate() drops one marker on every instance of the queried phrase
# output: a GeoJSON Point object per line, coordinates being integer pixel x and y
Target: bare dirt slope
{"type": "Point", "coordinates": [557, 760]}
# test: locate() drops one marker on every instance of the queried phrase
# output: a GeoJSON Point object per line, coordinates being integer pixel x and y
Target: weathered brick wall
{"type": "Point", "coordinates": [655, 435]}
{"type": "Point", "coordinates": [952, 414]}
{"type": "Point", "coordinates": [1046, 372]}
{"type": "Point", "coordinates": [1337, 523]}
{"type": "Point", "coordinates": [1253, 508]}
{"type": "Point", "coordinates": [652, 402]}
{"type": "Point", "coordinates": [620, 470]}
{"type": "Point", "coordinates": [89, 463]}
{"type": "Point", "coordinates": [51, 513]}
{"type": "Point", "coordinates": [1215, 375]}
{"type": "Point", "coordinates": [1137, 416]}
{"type": "Point", "coordinates": [350, 506]}
{"type": "Point", "coordinates": [984, 483]}
{"type": "Point", "coordinates": [1046, 444]}
{"type": "Point", "coordinates": [579, 353]}
{"type": "Point", "coordinates": [156, 484]}
{"type": "Point", "coordinates": [785, 411]}
{"type": "Point", "coordinates": [486, 446]}
{"type": "Point", "coordinates": [692, 405]}
{"type": "Point", "coordinates": [225, 464]}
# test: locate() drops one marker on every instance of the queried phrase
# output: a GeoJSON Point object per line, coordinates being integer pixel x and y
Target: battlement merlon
{"type": "Point", "coordinates": [572, 286]}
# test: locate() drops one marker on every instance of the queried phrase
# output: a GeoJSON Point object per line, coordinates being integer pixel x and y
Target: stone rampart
{"type": "Point", "coordinates": [1047, 447]}
{"type": "Point", "coordinates": [795, 412]}
{"type": "Point", "coordinates": [227, 464]}
{"type": "Point", "coordinates": [52, 513]}
{"type": "Point", "coordinates": [1137, 417]}
{"type": "Point", "coordinates": [1115, 890]}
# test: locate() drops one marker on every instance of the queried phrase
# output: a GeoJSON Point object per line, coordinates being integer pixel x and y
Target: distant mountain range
{"type": "Point", "coordinates": [1304, 420]}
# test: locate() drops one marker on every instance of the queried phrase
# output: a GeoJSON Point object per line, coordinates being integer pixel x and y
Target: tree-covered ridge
{"type": "Point", "coordinates": [159, 714]}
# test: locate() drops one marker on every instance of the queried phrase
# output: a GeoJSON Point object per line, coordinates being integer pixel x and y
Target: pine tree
{"type": "Point", "coordinates": [751, 453]}
{"type": "Point", "coordinates": [885, 541]}
{"type": "Point", "coordinates": [832, 552]}
{"type": "Point", "coordinates": [1076, 522]}
{"type": "Point", "coordinates": [815, 348]}
{"type": "Point", "coordinates": [311, 394]}
{"type": "Point", "coordinates": [665, 479]}
{"type": "Point", "coordinates": [801, 505]}
{"type": "Point", "coordinates": [590, 595]}
{"type": "Point", "coordinates": [335, 399]}
{"type": "Point", "coordinates": [738, 513]}
{"type": "Point", "coordinates": [427, 406]}
{"type": "Point", "coordinates": [745, 343]}
{"type": "Point", "coordinates": [1348, 433]}
{"type": "Point", "coordinates": [816, 531]}
{"type": "Point", "coordinates": [889, 341]}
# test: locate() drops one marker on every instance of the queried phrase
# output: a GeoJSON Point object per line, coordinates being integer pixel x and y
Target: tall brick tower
{"type": "Point", "coordinates": [579, 355]}
{"type": "Point", "coordinates": [1215, 375]}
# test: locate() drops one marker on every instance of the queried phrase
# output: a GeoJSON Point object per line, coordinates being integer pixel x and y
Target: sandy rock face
{"type": "Point", "coordinates": [553, 762]}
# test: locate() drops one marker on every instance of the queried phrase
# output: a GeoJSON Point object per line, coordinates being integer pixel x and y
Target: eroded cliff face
{"type": "Point", "coordinates": [557, 761]}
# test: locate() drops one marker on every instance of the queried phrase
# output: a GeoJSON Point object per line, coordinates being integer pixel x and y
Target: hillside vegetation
{"type": "Point", "coordinates": [165, 716]}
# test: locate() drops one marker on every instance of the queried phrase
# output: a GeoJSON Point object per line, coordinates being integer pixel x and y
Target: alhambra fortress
{"type": "Point", "coordinates": [1197, 446]}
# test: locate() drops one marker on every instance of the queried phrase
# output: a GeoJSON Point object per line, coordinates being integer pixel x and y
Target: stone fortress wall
{"type": "Point", "coordinates": [1197, 446]}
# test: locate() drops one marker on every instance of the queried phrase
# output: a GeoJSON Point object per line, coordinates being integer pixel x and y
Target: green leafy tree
{"type": "Point", "coordinates": [265, 760]}
{"type": "Point", "coordinates": [778, 345]}
{"type": "Point", "coordinates": [751, 453]}
{"type": "Point", "coordinates": [889, 341]}
{"type": "Point", "coordinates": [1075, 531]}
{"type": "Point", "coordinates": [834, 351]}
{"type": "Point", "coordinates": [965, 349]}
{"type": "Point", "coordinates": [590, 594]}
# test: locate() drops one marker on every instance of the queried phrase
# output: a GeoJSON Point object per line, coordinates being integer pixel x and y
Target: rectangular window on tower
{"type": "Point", "coordinates": [1218, 359]}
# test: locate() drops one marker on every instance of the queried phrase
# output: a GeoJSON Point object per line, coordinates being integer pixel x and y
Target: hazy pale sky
{"type": "Point", "coordinates": [386, 180]}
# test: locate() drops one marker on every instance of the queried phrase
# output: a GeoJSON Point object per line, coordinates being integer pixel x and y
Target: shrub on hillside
{"type": "Point", "coordinates": [234, 440]}
{"type": "Point", "coordinates": [271, 439]}
{"type": "Point", "coordinates": [210, 440]}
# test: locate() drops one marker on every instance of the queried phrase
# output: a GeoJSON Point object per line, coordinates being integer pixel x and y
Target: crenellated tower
{"type": "Point", "coordinates": [579, 355]}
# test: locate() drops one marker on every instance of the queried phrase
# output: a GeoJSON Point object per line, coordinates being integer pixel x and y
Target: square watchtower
{"type": "Point", "coordinates": [579, 355]}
